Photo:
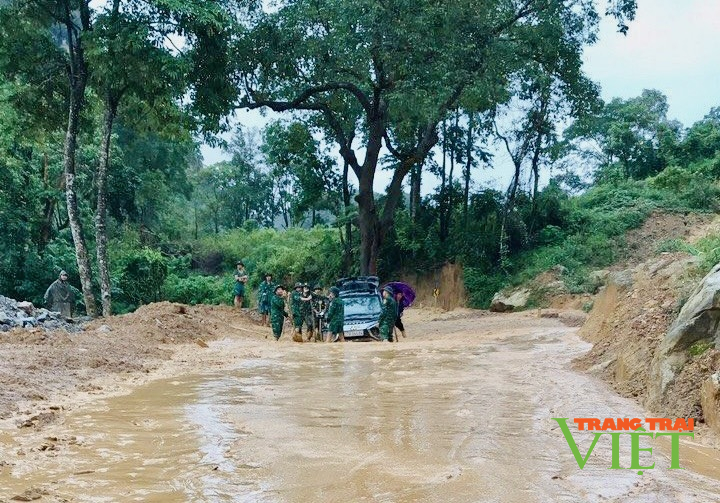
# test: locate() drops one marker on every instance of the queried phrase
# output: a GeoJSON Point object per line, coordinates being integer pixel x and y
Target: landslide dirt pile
{"type": "Point", "coordinates": [36, 365]}
{"type": "Point", "coordinates": [631, 317]}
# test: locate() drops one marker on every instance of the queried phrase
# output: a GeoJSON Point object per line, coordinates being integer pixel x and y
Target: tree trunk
{"type": "Point", "coordinates": [81, 254]}
{"type": "Point", "coordinates": [453, 153]}
{"type": "Point", "coordinates": [468, 167]}
{"type": "Point", "coordinates": [416, 189]}
{"type": "Point", "coordinates": [111, 105]}
{"type": "Point", "coordinates": [370, 234]}
{"type": "Point", "coordinates": [441, 204]}
{"type": "Point", "coordinates": [348, 258]}
{"type": "Point", "coordinates": [49, 207]}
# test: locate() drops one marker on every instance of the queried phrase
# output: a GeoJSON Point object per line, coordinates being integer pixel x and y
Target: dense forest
{"type": "Point", "coordinates": [104, 107]}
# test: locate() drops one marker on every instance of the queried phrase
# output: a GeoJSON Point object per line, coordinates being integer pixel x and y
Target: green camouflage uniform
{"type": "Point", "coordinates": [296, 306]}
{"type": "Point", "coordinates": [277, 314]}
{"type": "Point", "coordinates": [265, 293]}
{"type": "Point", "coordinates": [336, 316]}
{"type": "Point", "coordinates": [388, 315]}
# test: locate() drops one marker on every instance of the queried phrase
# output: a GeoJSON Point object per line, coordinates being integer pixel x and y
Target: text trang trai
{"type": "Point", "coordinates": [636, 428]}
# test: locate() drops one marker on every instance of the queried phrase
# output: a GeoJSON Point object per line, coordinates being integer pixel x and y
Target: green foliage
{"type": "Point", "coordinates": [291, 255]}
{"type": "Point", "coordinates": [700, 347]}
{"type": "Point", "coordinates": [197, 289]}
{"type": "Point", "coordinates": [143, 273]}
{"type": "Point", "coordinates": [481, 286]}
{"type": "Point", "coordinates": [708, 249]}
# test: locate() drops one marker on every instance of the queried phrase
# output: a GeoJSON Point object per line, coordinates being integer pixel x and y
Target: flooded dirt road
{"type": "Point", "coordinates": [460, 412]}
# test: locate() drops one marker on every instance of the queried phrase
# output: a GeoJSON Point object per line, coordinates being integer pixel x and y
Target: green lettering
{"type": "Point", "coordinates": [562, 422]}
{"type": "Point", "coordinates": [616, 450]}
{"type": "Point", "coordinates": [675, 446]}
{"type": "Point", "coordinates": [635, 449]}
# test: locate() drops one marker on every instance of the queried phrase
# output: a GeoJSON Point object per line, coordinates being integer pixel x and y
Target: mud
{"type": "Point", "coordinates": [459, 411]}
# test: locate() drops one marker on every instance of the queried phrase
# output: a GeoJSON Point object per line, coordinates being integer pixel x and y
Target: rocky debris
{"type": "Point", "coordinates": [502, 303]}
{"type": "Point", "coordinates": [30, 495]}
{"type": "Point", "coordinates": [15, 314]}
{"type": "Point", "coordinates": [698, 320]}
{"type": "Point", "coordinates": [622, 279]}
{"type": "Point", "coordinates": [710, 401]}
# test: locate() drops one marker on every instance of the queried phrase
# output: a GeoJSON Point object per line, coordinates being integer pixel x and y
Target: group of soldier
{"type": "Point", "coordinates": [320, 317]}
{"type": "Point", "coordinates": [309, 311]}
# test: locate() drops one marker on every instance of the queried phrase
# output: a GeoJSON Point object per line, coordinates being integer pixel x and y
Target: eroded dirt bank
{"type": "Point", "coordinates": [460, 411]}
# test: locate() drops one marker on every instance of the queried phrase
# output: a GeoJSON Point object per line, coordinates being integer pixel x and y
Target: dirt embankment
{"type": "Point", "coordinates": [39, 370]}
{"type": "Point", "coordinates": [631, 317]}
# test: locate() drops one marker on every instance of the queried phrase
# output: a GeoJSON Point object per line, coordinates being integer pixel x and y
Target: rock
{"type": "Point", "coordinates": [710, 401]}
{"type": "Point", "coordinates": [559, 269]}
{"type": "Point", "coordinates": [598, 277]}
{"type": "Point", "coordinates": [698, 320]}
{"type": "Point", "coordinates": [29, 495]}
{"type": "Point", "coordinates": [516, 300]}
{"type": "Point", "coordinates": [201, 343]}
{"type": "Point", "coordinates": [103, 329]}
{"type": "Point", "coordinates": [4, 319]}
{"type": "Point", "coordinates": [26, 306]}
{"type": "Point", "coordinates": [622, 279]}
{"type": "Point", "coordinates": [556, 287]}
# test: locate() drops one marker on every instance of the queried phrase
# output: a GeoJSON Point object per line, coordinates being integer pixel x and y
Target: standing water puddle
{"type": "Point", "coordinates": [410, 422]}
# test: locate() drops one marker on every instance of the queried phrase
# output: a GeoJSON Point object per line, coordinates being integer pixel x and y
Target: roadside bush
{"type": "Point", "coordinates": [143, 273]}
{"type": "Point", "coordinates": [198, 289]}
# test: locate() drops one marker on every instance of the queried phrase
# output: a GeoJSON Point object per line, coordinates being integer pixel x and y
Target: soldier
{"type": "Point", "coordinates": [241, 278]}
{"type": "Point", "coordinates": [319, 306]}
{"type": "Point", "coordinates": [335, 317]}
{"type": "Point", "coordinates": [277, 311]}
{"type": "Point", "coordinates": [265, 293]}
{"type": "Point", "coordinates": [296, 309]}
{"type": "Point", "coordinates": [388, 315]}
{"type": "Point", "coordinates": [307, 312]}
{"type": "Point", "coordinates": [60, 296]}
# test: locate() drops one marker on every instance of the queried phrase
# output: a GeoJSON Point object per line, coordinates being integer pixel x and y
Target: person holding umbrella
{"type": "Point", "coordinates": [398, 320]}
{"type": "Point", "coordinates": [404, 297]}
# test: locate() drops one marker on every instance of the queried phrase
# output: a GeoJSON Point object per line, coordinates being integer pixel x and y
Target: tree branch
{"type": "Point", "coordinates": [300, 101]}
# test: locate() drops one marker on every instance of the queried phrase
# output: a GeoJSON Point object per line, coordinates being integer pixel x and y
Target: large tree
{"type": "Point", "coordinates": [385, 73]}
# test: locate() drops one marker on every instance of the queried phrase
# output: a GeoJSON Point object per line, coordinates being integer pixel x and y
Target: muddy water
{"type": "Point", "coordinates": [461, 417]}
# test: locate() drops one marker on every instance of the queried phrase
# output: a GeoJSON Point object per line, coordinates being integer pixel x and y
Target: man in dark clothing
{"type": "Point", "coordinates": [265, 293]}
{"type": "Point", "coordinates": [60, 297]}
{"type": "Point", "coordinates": [388, 315]}
{"type": "Point", "coordinates": [335, 317]}
{"type": "Point", "coordinates": [277, 311]}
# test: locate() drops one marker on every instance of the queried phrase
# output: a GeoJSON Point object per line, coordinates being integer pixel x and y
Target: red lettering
{"type": "Point", "coordinates": [608, 424]}
{"type": "Point", "coordinates": [665, 424]}
{"type": "Point", "coordinates": [581, 422]}
{"type": "Point", "coordinates": [593, 423]}
{"type": "Point", "coordinates": [635, 423]}
{"type": "Point", "coordinates": [652, 422]}
{"type": "Point", "coordinates": [623, 423]}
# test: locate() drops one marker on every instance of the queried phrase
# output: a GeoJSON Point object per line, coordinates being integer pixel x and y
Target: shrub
{"type": "Point", "coordinates": [142, 275]}
{"type": "Point", "coordinates": [198, 289]}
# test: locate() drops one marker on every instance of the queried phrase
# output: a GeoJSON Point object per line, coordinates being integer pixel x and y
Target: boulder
{"type": "Point", "coordinates": [699, 320]}
{"type": "Point", "coordinates": [599, 276]}
{"type": "Point", "coordinates": [516, 300]}
{"type": "Point", "coordinates": [622, 279]}
{"type": "Point", "coordinates": [26, 306]}
{"type": "Point", "coordinates": [710, 401]}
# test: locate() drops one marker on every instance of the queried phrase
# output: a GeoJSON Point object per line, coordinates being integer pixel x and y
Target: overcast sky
{"type": "Point", "coordinates": [672, 46]}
